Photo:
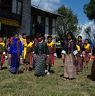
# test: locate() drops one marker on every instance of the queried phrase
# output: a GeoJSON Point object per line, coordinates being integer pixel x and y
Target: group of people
{"type": "Point", "coordinates": [76, 55]}
{"type": "Point", "coordinates": [32, 54]}
{"type": "Point", "coordinates": [38, 54]}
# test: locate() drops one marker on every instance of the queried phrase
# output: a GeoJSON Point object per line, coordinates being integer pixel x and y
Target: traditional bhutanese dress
{"type": "Point", "coordinates": [34, 58]}
{"type": "Point", "coordinates": [2, 54]}
{"type": "Point", "coordinates": [70, 51]}
{"type": "Point", "coordinates": [87, 51]}
{"type": "Point", "coordinates": [16, 51]}
{"type": "Point", "coordinates": [27, 53]}
{"type": "Point", "coordinates": [41, 51]}
{"type": "Point", "coordinates": [79, 56]}
{"type": "Point", "coordinates": [51, 47]}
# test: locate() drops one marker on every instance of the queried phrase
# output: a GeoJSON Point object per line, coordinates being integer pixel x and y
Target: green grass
{"type": "Point", "coordinates": [26, 84]}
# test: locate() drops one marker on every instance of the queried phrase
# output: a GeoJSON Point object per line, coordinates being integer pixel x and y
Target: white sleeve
{"type": "Point", "coordinates": [63, 52]}
{"type": "Point", "coordinates": [75, 52]}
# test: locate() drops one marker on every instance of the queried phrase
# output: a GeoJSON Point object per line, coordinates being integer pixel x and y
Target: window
{"type": "Point", "coordinates": [17, 7]}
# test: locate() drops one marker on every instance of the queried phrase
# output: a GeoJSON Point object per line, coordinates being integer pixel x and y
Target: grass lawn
{"type": "Point", "coordinates": [26, 84]}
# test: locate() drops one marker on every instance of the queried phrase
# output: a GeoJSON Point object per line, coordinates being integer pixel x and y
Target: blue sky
{"type": "Point", "coordinates": [75, 5]}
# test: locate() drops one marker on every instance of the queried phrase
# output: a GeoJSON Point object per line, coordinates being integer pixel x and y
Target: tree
{"type": "Point", "coordinates": [87, 31]}
{"type": "Point", "coordinates": [67, 22]}
{"type": "Point", "coordinates": [89, 10]}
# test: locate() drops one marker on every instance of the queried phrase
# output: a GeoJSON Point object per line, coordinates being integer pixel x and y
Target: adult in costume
{"type": "Point", "coordinates": [15, 51]}
{"type": "Point", "coordinates": [69, 53]}
{"type": "Point", "coordinates": [41, 51]}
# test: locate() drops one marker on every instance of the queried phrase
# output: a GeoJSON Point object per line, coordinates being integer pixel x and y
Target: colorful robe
{"type": "Point", "coordinates": [79, 56]}
{"type": "Point", "coordinates": [15, 51]}
{"type": "Point", "coordinates": [69, 51]}
{"type": "Point", "coordinates": [41, 51]}
{"type": "Point", "coordinates": [51, 47]}
{"type": "Point", "coordinates": [87, 49]}
{"type": "Point", "coordinates": [27, 52]}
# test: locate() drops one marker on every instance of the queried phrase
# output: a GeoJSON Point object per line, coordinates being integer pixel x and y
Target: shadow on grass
{"type": "Point", "coordinates": [4, 68]}
{"type": "Point", "coordinates": [92, 78]}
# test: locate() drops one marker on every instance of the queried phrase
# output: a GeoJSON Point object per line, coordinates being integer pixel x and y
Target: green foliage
{"type": "Point", "coordinates": [89, 9]}
{"type": "Point", "coordinates": [67, 22]}
{"type": "Point", "coordinates": [87, 31]}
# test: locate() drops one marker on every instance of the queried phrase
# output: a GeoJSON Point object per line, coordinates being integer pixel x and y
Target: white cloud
{"type": "Point", "coordinates": [50, 5]}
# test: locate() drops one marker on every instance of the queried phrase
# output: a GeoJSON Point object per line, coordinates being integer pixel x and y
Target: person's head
{"type": "Point", "coordinates": [49, 38]}
{"type": "Point", "coordinates": [79, 38]}
{"type": "Point", "coordinates": [37, 35]}
{"type": "Point", "coordinates": [28, 39]}
{"type": "Point", "coordinates": [40, 37]}
{"type": "Point", "coordinates": [86, 41]}
{"type": "Point", "coordinates": [69, 36]}
{"type": "Point", "coordinates": [23, 35]}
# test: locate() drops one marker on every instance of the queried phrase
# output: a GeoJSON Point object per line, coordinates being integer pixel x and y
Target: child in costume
{"type": "Point", "coordinates": [28, 53]}
{"type": "Point", "coordinates": [79, 55]}
{"type": "Point", "coordinates": [50, 59]}
{"type": "Point", "coordinates": [41, 52]}
{"type": "Point", "coordinates": [69, 55]}
{"type": "Point", "coordinates": [87, 51]}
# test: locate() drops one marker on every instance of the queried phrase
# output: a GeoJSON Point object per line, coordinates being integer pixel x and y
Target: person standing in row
{"type": "Point", "coordinates": [69, 53]}
{"type": "Point", "coordinates": [28, 53]}
{"type": "Point", "coordinates": [50, 59]}
{"type": "Point", "coordinates": [41, 51]}
{"type": "Point", "coordinates": [79, 55]}
{"type": "Point", "coordinates": [15, 51]}
{"type": "Point", "coordinates": [87, 52]}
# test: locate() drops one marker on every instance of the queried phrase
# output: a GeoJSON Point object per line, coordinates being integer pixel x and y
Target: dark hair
{"type": "Point", "coordinates": [80, 37]}
{"type": "Point", "coordinates": [28, 37]}
{"type": "Point", "coordinates": [72, 36]}
{"type": "Point", "coordinates": [49, 37]}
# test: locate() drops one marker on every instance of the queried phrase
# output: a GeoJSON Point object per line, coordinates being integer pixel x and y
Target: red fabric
{"type": "Point", "coordinates": [52, 58]}
{"type": "Point", "coordinates": [3, 59]}
{"type": "Point", "coordinates": [31, 59]}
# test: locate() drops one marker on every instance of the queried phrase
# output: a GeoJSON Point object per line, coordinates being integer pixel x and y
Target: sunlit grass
{"type": "Point", "coordinates": [26, 84]}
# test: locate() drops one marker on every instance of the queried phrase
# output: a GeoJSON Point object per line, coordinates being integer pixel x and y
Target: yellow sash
{"type": "Point", "coordinates": [25, 48]}
{"type": "Point", "coordinates": [78, 48]}
{"type": "Point", "coordinates": [23, 41]}
{"type": "Point", "coordinates": [50, 44]}
{"type": "Point", "coordinates": [3, 44]}
{"type": "Point", "coordinates": [87, 47]}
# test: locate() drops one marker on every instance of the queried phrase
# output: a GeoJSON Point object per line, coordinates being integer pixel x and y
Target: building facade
{"type": "Point", "coordinates": [43, 22]}
{"type": "Point", "coordinates": [19, 16]}
{"type": "Point", "coordinates": [10, 16]}
{"type": "Point", "coordinates": [14, 16]}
